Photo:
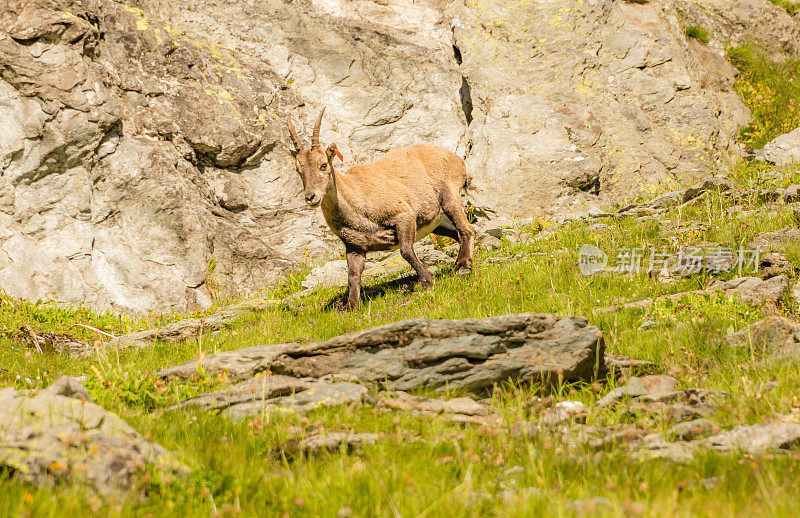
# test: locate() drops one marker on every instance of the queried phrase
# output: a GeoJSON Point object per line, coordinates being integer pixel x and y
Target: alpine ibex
{"type": "Point", "coordinates": [392, 203]}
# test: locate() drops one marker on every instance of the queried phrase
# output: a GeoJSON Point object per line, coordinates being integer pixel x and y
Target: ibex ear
{"type": "Point", "coordinates": [333, 150]}
{"type": "Point", "coordinates": [292, 151]}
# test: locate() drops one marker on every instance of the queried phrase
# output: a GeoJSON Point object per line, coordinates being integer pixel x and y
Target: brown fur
{"type": "Point", "coordinates": [391, 203]}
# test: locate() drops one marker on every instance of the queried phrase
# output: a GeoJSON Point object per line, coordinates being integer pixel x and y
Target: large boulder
{"type": "Point", "coordinates": [143, 150]}
{"type": "Point", "coordinates": [570, 100]}
{"type": "Point", "coordinates": [738, 22]}
{"type": "Point", "coordinates": [58, 435]}
{"type": "Point", "coordinates": [774, 338]}
{"type": "Point", "coordinates": [782, 150]}
{"type": "Point", "coordinates": [465, 354]}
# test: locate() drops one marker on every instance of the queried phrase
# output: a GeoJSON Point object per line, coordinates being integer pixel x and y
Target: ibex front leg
{"type": "Point", "coordinates": [406, 232]}
{"type": "Point", "coordinates": [355, 267]}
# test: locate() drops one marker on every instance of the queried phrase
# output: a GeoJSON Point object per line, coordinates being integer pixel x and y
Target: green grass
{"type": "Point", "coordinates": [698, 33]}
{"type": "Point", "coordinates": [772, 92]}
{"type": "Point", "coordinates": [790, 7]}
{"type": "Point", "coordinates": [447, 469]}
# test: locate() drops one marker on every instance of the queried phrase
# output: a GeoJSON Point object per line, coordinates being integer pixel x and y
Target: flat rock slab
{"type": "Point", "coordinates": [425, 405]}
{"type": "Point", "coordinates": [471, 354]}
{"type": "Point", "coordinates": [332, 441]}
{"type": "Point", "coordinates": [750, 290]}
{"type": "Point", "coordinates": [664, 201]}
{"type": "Point", "coordinates": [47, 438]}
{"type": "Point", "coordinates": [645, 385]}
{"type": "Point", "coordinates": [176, 331]}
{"type": "Point", "coordinates": [753, 439]}
{"type": "Point", "coordinates": [275, 393]}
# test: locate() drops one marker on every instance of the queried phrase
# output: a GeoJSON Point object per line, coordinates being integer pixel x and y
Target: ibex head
{"type": "Point", "coordinates": [314, 165]}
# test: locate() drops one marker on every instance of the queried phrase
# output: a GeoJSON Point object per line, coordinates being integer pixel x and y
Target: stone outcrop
{"type": "Point", "coordinates": [737, 22]}
{"type": "Point", "coordinates": [276, 392]}
{"type": "Point", "coordinates": [774, 338]}
{"type": "Point", "coordinates": [143, 158]}
{"type": "Point", "coordinates": [457, 354]}
{"type": "Point", "coordinates": [59, 435]}
{"type": "Point", "coordinates": [782, 150]}
{"type": "Point", "coordinates": [568, 100]}
{"type": "Point", "coordinates": [753, 439]}
{"type": "Point", "coordinates": [750, 290]}
{"type": "Point", "coordinates": [332, 441]}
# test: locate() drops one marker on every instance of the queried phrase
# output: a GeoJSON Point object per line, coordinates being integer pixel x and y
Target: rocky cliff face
{"type": "Point", "coordinates": [142, 143]}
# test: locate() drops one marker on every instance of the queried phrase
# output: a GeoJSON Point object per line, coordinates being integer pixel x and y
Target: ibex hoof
{"type": "Point", "coordinates": [347, 307]}
{"type": "Point", "coordinates": [426, 283]}
{"type": "Point", "coordinates": [462, 270]}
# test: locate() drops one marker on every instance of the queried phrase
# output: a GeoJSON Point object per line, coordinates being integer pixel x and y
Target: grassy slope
{"type": "Point", "coordinates": [453, 469]}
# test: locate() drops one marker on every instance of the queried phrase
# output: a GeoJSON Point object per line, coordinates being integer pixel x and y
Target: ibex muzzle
{"type": "Point", "coordinates": [391, 203]}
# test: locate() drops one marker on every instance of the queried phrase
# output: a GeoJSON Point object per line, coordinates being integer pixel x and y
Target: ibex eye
{"type": "Point", "coordinates": [323, 167]}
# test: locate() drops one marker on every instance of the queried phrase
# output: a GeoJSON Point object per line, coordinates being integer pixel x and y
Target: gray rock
{"type": "Point", "coordinates": [778, 239]}
{"type": "Point", "coordinates": [773, 338]}
{"type": "Point", "coordinates": [598, 227]}
{"type": "Point", "coordinates": [330, 274]}
{"type": "Point", "coordinates": [488, 241]}
{"type": "Point", "coordinates": [460, 405]}
{"type": "Point", "coordinates": [260, 388]}
{"type": "Point", "coordinates": [275, 392]}
{"type": "Point", "coordinates": [678, 197]}
{"type": "Point", "coordinates": [757, 438]}
{"type": "Point", "coordinates": [739, 22]}
{"type": "Point", "coordinates": [691, 430]}
{"type": "Point", "coordinates": [177, 331]}
{"type": "Point", "coordinates": [753, 439]}
{"type": "Point", "coordinates": [467, 354]}
{"type": "Point", "coordinates": [752, 290]}
{"type": "Point", "coordinates": [317, 394]}
{"type": "Point", "coordinates": [565, 411]}
{"type": "Point", "coordinates": [333, 441]}
{"type": "Point", "coordinates": [775, 263]}
{"type": "Point", "coordinates": [783, 150]}
{"type": "Point", "coordinates": [755, 291]}
{"type": "Point", "coordinates": [792, 193]}
{"type": "Point", "coordinates": [646, 385]}
{"type": "Point", "coordinates": [48, 438]}
{"type": "Point", "coordinates": [68, 386]}
{"type": "Point", "coordinates": [592, 506]}
{"type": "Point", "coordinates": [523, 75]}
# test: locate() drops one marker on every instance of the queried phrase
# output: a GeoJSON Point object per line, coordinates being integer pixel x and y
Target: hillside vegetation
{"type": "Point", "coordinates": [428, 466]}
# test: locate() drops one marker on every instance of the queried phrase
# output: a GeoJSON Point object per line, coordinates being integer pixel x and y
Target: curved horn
{"type": "Point", "coordinates": [315, 135]}
{"type": "Point", "coordinates": [293, 133]}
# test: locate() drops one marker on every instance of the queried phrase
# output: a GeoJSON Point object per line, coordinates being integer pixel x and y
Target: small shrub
{"type": "Point", "coordinates": [790, 7]}
{"type": "Point", "coordinates": [698, 33]}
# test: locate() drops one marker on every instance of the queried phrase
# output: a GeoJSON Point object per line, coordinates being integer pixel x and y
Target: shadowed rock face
{"type": "Point", "coordinates": [143, 140]}
{"type": "Point", "coordinates": [469, 354]}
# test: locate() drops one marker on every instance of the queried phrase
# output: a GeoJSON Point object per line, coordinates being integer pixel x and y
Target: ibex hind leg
{"type": "Point", "coordinates": [451, 205]}
{"type": "Point", "coordinates": [406, 232]}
